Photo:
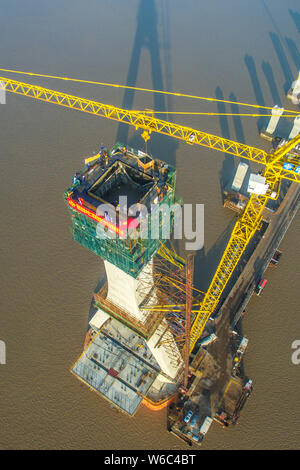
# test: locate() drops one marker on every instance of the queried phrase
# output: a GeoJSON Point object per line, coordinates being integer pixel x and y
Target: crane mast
{"type": "Point", "coordinates": [250, 219]}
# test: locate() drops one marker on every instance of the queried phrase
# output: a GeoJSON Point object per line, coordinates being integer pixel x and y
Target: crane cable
{"type": "Point", "coordinates": [184, 95]}
{"type": "Point", "coordinates": [212, 114]}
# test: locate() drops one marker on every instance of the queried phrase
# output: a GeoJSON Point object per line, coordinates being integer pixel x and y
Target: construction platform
{"type": "Point", "coordinates": [237, 202]}
{"type": "Point", "coordinates": [118, 365]}
{"type": "Point", "coordinates": [144, 329]}
{"type": "Point", "coordinates": [102, 224]}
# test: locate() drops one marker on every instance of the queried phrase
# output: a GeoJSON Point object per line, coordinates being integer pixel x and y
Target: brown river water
{"type": "Point", "coordinates": [244, 51]}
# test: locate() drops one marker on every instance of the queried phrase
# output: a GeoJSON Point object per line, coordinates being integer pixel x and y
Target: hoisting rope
{"type": "Point", "coordinates": [184, 95]}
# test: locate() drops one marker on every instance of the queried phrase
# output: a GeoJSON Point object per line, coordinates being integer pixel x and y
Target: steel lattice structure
{"type": "Point", "coordinates": [250, 219]}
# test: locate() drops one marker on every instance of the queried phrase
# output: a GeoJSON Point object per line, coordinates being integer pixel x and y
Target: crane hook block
{"type": "Point", "coordinates": [146, 135]}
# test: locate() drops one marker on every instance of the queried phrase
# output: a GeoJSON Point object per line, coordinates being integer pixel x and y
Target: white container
{"type": "Point", "coordinates": [206, 425]}
{"type": "Point", "coordinates": [239, 176]}
{"type": "Point", "coordinates": [209, 339]}
{"type": "Point", "coordinates": [257, 184]}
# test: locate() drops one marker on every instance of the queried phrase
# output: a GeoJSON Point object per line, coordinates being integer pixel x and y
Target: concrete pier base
{"type": "Point", "coordinates": [267, 133]}
{"type": "Point", "coordinates": [296, 128]}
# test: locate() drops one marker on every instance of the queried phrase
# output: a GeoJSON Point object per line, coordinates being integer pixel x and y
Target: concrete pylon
{"type": "Point", "coordinates": [296, 85]}
{"type": "Point", "coordinates": [276, 113]}
{"type": "Point", "coordinates": [128, 294]}
{"type": "Point", "coordinates": [294, 92]}
{"type": "Point", "coordinates": [269, 131]}
{"type": "Point", "coordinates": [296, 128]}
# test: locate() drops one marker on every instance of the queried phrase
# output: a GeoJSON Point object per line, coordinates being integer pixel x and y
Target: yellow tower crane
{"type": "Point", "coordinates": [249, 220]}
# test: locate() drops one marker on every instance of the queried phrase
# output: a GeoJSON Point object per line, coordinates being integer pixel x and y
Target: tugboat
{"type": "Point", "coordinates": [261, 285]}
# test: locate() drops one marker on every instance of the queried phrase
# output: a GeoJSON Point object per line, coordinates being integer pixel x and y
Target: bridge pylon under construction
{"type": "Point", "coordinates": [119, 205]}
